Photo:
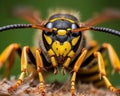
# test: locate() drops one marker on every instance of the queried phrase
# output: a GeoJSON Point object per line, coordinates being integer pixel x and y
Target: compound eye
{"type": "Point", "coordinates": [49, 25]}
{"type": "Point", "coordinates": [74, 26]}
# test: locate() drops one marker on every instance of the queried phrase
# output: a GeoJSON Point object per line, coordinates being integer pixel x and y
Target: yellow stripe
{"type": "Point", "coordinates": [48, 39]}
{"type": "Point", "coordinates": [50, 52]}
{"type": "Point", "coordinates": [62, 18]}
{"type": "Point", "coordinates": [91, 78]}
{"type": "Point", "coordinates": [100, 83]}
{"type": "Point", "coordinates": [75, 40]}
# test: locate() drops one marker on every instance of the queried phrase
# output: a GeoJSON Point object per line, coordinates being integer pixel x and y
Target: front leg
{"type": "Point", "coordinates": [75, 70]}
{"type": "Point", "coordinates": [8, 55]}
{"type": "Point", "coordinates": [24, 63]}
{"type": "Point", "coordinates": [40, 69]}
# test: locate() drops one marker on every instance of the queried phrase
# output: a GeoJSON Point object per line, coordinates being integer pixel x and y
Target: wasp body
{"type": "Point", "coordinates": [62, 43]}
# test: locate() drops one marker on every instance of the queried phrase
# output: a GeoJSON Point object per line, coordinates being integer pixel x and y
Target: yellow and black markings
{"type": "Point", "coordinates": [62, 44]}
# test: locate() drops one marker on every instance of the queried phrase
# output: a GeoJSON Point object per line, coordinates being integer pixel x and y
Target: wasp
{"type": "Point", "coordinates": [62, 43]}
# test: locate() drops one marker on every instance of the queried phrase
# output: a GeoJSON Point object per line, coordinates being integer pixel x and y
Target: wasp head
{"type": "Point", "coordinates": [61, 40]}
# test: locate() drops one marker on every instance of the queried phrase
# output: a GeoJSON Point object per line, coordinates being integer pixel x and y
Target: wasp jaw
{"type": "Point", "coordinates": [55, 70]}
{"type": "Point", "coordinates": [63, 71]}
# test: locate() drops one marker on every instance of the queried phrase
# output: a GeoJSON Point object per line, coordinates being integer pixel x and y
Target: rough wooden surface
{"type": "Point", "coordinates": [52, 90]}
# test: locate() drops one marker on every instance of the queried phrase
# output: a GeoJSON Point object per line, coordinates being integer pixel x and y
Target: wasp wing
{"type": "Point", "coordinates": [32, 16]}
{"type": "Point", "coordinates": [28, 14]}
{"type": "Point", "coordinates": [106, 15]}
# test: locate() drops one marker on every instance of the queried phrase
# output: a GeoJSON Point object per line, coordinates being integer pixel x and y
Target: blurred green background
{"type": "Point", "coordinates": [87, 8]}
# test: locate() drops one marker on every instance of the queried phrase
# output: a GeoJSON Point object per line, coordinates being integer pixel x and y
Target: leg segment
{"type": "Point", "coordinates": [24, 63]}
{"type": "Point", "coordinates": [39, 69]}
{"type": "Point", "coordinates": [75, 70]}
{"type": "Point", "coordinates": [113, 57]}
{"type": "Point", "coordinates": [8, 54]}
{"type": "Point", "coordinates": [101, 66]}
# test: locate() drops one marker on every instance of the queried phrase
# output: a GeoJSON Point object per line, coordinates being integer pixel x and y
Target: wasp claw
{"type": "Point", "coordinates": [63, 71]}
{"type": "Point", "coordinates": [42, 93]}
{"type": "Point", "coordinates": [118, 92]}
{"type": "Point", "coordinates": [55, 70]}
{"type": "Point", "coordinates": [73, 95]}
{"type": "Point", "coordinates": [11, 90]}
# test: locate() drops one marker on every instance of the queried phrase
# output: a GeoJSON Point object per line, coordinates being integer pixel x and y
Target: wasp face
{"type": "Point", "coordinates": [61, 40]}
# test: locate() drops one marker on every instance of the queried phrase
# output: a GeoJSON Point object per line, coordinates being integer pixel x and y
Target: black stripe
{"type": "Point", "coordinates": [89, 74]}
{"type": "Point", "coordinates": [31, 57]}
{"type": "Point", "coordinates": [91, 57]}
{"type": "Point", "coordinates": [46, 45]}
{"type": "Point", "coordinates": [95, 83]}
{"type": "Point", "coordinates": [19, 51]}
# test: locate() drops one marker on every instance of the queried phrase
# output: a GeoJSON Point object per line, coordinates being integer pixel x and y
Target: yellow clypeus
{"type": "Point", "coordinates": [61, 49]}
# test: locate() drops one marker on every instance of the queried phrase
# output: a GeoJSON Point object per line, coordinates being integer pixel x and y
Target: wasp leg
{"type": "Point", "coordinates": [75, 70]}
{"type": "Point", "coordinates": [113, 57]}
{"type": "Point", "coordinates": [8, 54]}
{"type": "Point", "coordinates": [102, 70]}
{"type": "Point", "coordinates": [24, 63]}
{"type": "Point", "coordinates": [40, 69]}
{"type": "Point", "coordinates": [89, 72]}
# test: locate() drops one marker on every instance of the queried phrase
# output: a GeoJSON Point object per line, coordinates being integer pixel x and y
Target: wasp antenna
{"type": "Point", "coordinates": [15, 26]}
{"type": "Point", "coordinates": [100, 29]}
{"type": "Point", "coordinates": [41, 27]}
{"type": "Point", "coordinates": [106, 30]}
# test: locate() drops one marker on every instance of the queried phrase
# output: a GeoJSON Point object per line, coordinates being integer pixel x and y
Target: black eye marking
{"type": "Point", "coordinates": [75, 34]}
